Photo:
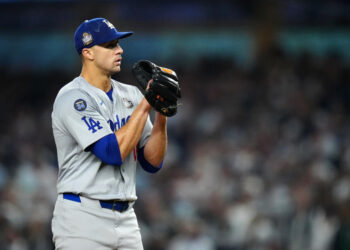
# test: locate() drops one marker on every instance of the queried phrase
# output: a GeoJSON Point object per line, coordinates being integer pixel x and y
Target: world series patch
{"type": "Point", "coordinates": [80, 105]}
{"type": "Point", "coordinates": [127, 103]}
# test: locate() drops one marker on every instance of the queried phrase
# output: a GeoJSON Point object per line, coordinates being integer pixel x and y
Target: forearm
{"type": "Point", "coordinates": [129, 135]}
{"type": "Point", "coordinates": [156, 145]}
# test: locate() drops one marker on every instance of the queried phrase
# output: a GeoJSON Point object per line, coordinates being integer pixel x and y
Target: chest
{"type": "Point", "coordinates": [116, 112]}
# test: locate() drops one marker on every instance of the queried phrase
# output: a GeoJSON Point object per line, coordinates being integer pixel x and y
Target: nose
{"type": "Point", "coordinates": [119, 50]}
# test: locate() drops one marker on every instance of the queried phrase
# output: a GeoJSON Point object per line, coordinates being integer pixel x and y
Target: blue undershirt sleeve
{"type": "Point", "coordinates": [148, 167]}
{"type": "Point", "coordinates": [107, 150]}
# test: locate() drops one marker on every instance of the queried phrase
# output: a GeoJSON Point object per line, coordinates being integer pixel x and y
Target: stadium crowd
{"type": "Point", "coordinates": [258, 158]}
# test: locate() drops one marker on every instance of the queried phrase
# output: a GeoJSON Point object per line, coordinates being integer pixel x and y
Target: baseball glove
{"type": "Point", "coordinates": [163, 91]}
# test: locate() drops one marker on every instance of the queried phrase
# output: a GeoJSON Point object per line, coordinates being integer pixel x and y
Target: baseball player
{"type": "Point", "coordinates": [103, 133]}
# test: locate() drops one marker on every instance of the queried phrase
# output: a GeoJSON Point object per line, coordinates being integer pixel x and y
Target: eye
{"type": "Point", "coordinates": [112, 45]}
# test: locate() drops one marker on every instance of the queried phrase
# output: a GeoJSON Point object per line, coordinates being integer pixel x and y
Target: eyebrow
{"type": "Point", "coordinates": [109, 43]}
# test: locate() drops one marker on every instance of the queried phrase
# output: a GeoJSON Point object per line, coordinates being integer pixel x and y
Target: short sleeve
{"type": "Point", "coordinates": [81, 117]}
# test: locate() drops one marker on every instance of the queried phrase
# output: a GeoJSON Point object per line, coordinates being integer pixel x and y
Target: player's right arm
{"type": "Point", "coordinates": [129, 135]}
{"type": "Point", "coordinates": [77, 115]}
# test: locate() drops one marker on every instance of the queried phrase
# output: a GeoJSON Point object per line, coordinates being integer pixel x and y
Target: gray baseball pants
{"type": "Point", "coordinates": [86, 225]}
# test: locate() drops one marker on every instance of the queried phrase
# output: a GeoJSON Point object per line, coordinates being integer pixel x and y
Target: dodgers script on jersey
{"type": "Point", "coordinates": [83, 114]}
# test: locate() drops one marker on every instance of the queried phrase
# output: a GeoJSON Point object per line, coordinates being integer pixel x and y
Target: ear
{"type": "Point", "coordinates": [87, 53]}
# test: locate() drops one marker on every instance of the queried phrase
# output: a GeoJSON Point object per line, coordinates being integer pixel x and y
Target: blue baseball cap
{"type": "Point", "coordinates": [96, 31]}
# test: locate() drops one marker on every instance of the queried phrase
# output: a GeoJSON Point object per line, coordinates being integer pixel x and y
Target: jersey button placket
{"type": "Point", "coordinates": [113, 206]}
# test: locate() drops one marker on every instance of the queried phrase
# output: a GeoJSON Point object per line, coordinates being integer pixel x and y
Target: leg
{"type": "Point", "coordinates": [70, 243]}
{"type": "Point", "coordinates": [129, 231]}
{"type": "Point", "coordinates": [78, 226]}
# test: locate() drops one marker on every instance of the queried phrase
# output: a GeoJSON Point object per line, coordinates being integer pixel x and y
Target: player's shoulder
{"type": "Point", "coordinates": [70, 88]}
{"type": "Point", "coordinates": [126, 88]}
{"type": "Point", "coordinates": [71, 92]}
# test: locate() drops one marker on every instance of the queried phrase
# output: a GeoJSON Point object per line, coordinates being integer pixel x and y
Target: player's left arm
{"type": "Point", "coordinates": [155, 148]}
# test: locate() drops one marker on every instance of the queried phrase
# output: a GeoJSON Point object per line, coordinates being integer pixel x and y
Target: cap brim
{"type": "Point", "coordinates": [117, 35]}
{"type": "Point", "coordinates": [124, 34]}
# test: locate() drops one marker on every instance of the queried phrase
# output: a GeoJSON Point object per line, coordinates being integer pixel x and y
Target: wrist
{"type": "Point", "coordinates": [145, 105]}
{"type": "Point", "coordinates": [160, 119]}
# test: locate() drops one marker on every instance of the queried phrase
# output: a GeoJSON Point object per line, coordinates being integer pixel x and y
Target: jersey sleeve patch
{"type": "Point", "coordinates": [80, 105]}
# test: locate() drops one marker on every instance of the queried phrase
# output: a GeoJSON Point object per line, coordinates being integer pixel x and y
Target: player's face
{"type": "Point", "coordinates": [108, 56]}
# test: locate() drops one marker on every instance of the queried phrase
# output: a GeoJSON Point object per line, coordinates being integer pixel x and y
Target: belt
{"type": "Point", "coordinates": [114, 205]}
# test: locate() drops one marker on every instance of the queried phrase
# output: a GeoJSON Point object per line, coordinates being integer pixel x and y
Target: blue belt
{"type": "Point", "coordinates": [114, 205]}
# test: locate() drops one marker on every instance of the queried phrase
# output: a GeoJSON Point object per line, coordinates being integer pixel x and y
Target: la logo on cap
{"type": "Point", "coordinates": [87, 38]}
{"type": "Point", "coordinates": [109, 24]}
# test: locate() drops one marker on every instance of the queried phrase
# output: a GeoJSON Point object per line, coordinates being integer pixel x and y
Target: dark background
{"type": "Point", "coordinates": [259, 152]}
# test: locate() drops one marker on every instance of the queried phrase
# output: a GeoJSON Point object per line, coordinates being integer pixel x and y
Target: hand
{"type": "Point", "coordinates": [160, 85]}
{"type": "Point", "coordinates": [145, 105]}
{"type": "Point", "coordinates": [149, 82]}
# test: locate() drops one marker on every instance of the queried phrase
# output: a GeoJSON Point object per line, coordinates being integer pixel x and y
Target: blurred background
{"type": "Point", "coordinates": [259, 152]}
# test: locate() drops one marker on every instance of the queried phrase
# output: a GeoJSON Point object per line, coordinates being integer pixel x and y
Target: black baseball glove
{"type": "Point", "coordinates": [163, 91]}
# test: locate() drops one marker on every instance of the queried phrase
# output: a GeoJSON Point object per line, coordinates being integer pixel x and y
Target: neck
{"type": "Point", "coordinates": [96, 78]}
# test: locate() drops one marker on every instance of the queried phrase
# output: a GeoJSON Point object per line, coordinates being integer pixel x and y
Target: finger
{"type": "Point", "coordinates": [149, 82]}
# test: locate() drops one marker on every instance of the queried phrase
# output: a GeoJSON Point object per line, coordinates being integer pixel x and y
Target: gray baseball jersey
{"type": "Point", "coordinates": [83, 114]}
